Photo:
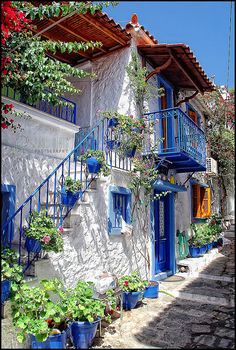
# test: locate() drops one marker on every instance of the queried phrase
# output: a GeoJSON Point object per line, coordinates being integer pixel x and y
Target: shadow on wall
{"type": "Point", "coordinates": [90, 250]}
{"type": "Point", "coordinates": [110, 87]}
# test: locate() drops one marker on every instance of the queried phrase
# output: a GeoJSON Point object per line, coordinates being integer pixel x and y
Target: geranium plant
{"type": "Point", "coordinates": [132, 283]}
{"type": "Point", "coordinates": [10, 270]}
{"type": "Point", "coordinates": [71, 185]}
{"type": "Point", "coordinates": [99, 155]}
{"type": "Point", "coordinates": [42, 228]}
{"type": "Point", "coordinates": [39, 311]}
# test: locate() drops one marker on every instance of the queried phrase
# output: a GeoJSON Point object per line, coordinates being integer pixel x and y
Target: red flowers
{"type": "Point", "coordinates": [4, 126]}
{"type": "Point", "coordinates": [126, 283]}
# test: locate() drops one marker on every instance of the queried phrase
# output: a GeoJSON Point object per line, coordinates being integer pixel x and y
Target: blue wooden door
{"type": "Point", "coordinates": [161, 234]}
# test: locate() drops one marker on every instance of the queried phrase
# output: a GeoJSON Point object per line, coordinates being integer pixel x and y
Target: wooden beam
{"type": "Point", "coordinates": [186, 99]}
{"type": "Point", "coordinates": [80, 37]}
{"type": "Point", "coordinates": [103, 29]}
{"type": "Point", "coordinates": [159, 68]}
{"type": "Point", "coordinates": [48, 36]}
{"type": "Point", "coordinates": [185, 70]}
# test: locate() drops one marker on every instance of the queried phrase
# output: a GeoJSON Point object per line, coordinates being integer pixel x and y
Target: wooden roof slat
{"type": "Point", "coordinates": [80, 37]}
{"type": "Point", "coordinates": [103, 29]}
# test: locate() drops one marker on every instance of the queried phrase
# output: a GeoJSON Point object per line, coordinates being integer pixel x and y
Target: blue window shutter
{"type": "Point", "coordinates": [118, 198]}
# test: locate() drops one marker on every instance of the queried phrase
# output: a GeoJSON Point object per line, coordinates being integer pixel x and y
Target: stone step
{"type": "Point", "coordinates": [194, 265]}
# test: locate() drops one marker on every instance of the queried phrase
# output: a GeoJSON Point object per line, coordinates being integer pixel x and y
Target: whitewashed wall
{"type": "Point", "coordinates": [89, 249]}
{"type": "Point", "coordinates": [31, 154]}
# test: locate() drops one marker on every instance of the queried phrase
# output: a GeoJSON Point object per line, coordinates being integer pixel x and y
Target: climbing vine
{"type": "Point", "coordinates": [25, 64]}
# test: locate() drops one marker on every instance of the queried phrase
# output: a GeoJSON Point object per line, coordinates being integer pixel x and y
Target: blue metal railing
{"type": "Point", "coordinates": [47, 194]}
{"type": "Point", "coordinates": [60, 111]}
{"type": "Point", "coordinates": [172, 131]}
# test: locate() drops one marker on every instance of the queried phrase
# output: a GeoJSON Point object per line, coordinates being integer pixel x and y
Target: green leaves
{"type": "Point", "coordinates": [72, 185]}
{"type": "Point", "coordinates": [132, 282]}
{"type": "Point", "coordinates": [42, 228]}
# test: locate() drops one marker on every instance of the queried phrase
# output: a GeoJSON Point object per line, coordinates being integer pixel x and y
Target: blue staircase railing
{"type": "Point", "coordinates": [173, 132]}
{"type": "Point", "coordinates": [65, 112]}
{"type": "Point", "coordinates": [47, 194]}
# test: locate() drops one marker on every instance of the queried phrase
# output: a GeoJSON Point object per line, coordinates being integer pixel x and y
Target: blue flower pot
{"type": "Point", "coordinates": [33, 245]}
{"type": "Point", "coordinates": [55, 341]}
{"type": "Point", "coordinates": [194, 251]}
{"type": "Point", "coordinates": [151, 291]}
{"type": "Point", "coordinates": [113, 122]}
{"type": "Point", "coordinates": [214, 244]}
{"type": "Point", "coordinates": [5, 290]}
{"type": "Point", "coordinates": [130, 299]}
{"type": "Point", "coordinates": [130, 153]}
{"type": "Point", "coordinates": [93, 165]}
{"type": "Point", "coordinates": [210, 246]}
{"type": "Point", "coordinates": [69, 198]}
{"type": "Point", "coordinates": [83, 333]}
{"type": "Point", "coordinates": [203, 249]}
{"type": "Point", "coordinates": [111, 144]}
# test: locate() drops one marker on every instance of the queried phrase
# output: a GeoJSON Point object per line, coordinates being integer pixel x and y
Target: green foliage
{"type": "Point", "coordinates": [30, 71]}
{"type": "Point", "coordinates": [72, 185]}
{"type": "Point", "coordinates": [80, 304]}
{"type": "Point", "coordinates": [204, 233]}
{"type": "Point", "coordinates": [99, 155]}
{"type": "Point", "coordinates": [57, 8]}
{"type": "Point", "coordinates": [42, 228]}
{"type": "Point", "coordinates": [141, 89]}
{"type": "Point", "coordinates": [10, 270]}
{"type": "Point", "coordinates": [33, 309]}
{"type": "Point", "coordinates": [132, 283]}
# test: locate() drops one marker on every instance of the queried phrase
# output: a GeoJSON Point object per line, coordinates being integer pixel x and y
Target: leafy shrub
{"type": "Point", "coordinates": [42, 228]}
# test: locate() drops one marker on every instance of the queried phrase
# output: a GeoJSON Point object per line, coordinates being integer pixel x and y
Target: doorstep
{"type": "Point", "coordinates": [195, 265]}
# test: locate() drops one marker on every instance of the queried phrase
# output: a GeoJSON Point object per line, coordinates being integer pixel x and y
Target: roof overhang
{"type": "Point", "coordinates": [180, 66]}
{"type": "Point", "coordinates": [83, 28]}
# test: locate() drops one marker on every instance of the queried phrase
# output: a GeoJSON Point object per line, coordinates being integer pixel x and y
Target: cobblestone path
{"type": "Point", "coordinates": [201, 316]}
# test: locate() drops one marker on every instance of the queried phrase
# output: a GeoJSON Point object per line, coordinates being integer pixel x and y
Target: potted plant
{"type": "Point", "coordinates": [85, 312]}
{"type": "Point", "coordinates": [132, 286]}
{"type": "Point", "coordinates": [151, 291]}
{"type": "Point", "coordinates": [42, 234]}
{"type": "Point", "coordinates": [39, 312]}
{"type": "Point", "coordinates": [95, 162]}
{"type": "Point", "coordinates": [11, 273]}
{"type": "Point", "coordinates": [70, 191]}
{"type": "Point", "coordinates": [198, 242]}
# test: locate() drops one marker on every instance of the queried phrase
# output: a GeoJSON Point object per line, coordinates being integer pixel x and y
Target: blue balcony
{"type": "Point", "coordinates": [175, 137]}
{"type": "Point", "coordinates": [65, 112]}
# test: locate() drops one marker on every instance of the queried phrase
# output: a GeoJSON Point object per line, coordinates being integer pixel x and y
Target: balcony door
{"type": "Point", "coordinates": [166, 122]}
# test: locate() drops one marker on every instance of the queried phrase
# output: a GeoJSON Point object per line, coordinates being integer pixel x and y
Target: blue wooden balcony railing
{"type": "Point", "coordinates": [175, 136]}
{"type": "Point", "coordinates": [47, 194]}
{"type": "Point", "coordinates": [65, 112]}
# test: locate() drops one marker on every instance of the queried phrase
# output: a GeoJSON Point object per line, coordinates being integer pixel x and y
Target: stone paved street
{"type": "Point", "coordinates": [201, 316]}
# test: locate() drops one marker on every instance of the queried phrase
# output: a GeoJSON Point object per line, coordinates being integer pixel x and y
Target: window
{"type": "Point", "coordinates": [201, 201]}
{"type": "Point", "coordinates": [192, 113]}
{"type": "Point", "coordinates": [118, 208]}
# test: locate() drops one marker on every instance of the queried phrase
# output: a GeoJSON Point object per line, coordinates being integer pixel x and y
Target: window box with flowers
{"type": "Point", "coordinates": [42, 234]}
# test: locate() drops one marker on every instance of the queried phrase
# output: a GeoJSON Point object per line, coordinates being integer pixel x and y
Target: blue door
{"type": "Point", "coordinates": [8, 194]}
{"type": "Point", "coordinates": [162, 235]}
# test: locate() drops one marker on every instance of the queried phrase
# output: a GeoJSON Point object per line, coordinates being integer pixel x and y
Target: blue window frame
{"type": "Point", "coordinates": [119, 207]}
{"type": "Point", "coordinates": [8, 194]}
